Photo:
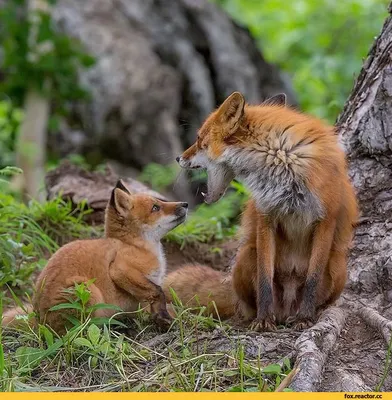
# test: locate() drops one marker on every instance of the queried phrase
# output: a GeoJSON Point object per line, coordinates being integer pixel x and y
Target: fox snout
{"type": "Point", "coordinates": [188, 163]}
{"type": "Point", "coordinates": [183, 163]}
{"type": "Point", "coordinates": [181, 210]}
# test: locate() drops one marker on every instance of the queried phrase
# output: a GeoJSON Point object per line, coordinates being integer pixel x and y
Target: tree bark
{"type": "Point", "coordinates": [365, 130]}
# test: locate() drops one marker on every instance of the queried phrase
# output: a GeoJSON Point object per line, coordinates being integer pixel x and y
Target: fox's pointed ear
{"type": "Point", "coordinates": [121, 201]}
{"type": "Point", "coordinates": [120, 185]}
{"type": "Point", "coordinates": [277, 100]}
{"type": "Point", "coordinates": [230, 113]}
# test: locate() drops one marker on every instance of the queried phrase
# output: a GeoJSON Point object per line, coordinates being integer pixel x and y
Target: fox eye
{"type": "Point", "coordinates": [155, 208]}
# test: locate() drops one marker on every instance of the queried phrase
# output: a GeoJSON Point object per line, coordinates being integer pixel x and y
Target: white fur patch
{"type": "Point", "coordinates": [159, 273]}
{"type": "Point", "coordinates": [275, 180]}
{"type": "Point", "coordinates": [199, 160]}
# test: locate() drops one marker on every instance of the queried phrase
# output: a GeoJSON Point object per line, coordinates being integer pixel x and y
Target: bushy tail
{"type": "Point", "coordinates": [198, 285]}
{"type": "Point", "coordinates": [10, 319]}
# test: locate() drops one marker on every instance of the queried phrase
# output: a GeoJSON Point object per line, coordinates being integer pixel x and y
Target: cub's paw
{"type": "Point", "coordinates": [263, 325]}
{"type": "Point", "coordinates": [301, 324]}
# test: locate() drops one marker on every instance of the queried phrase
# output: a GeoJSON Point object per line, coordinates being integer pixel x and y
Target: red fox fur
{"type": "Point", "coordinates": [298, 225]}
{"type": "Point", "coordinates": [128, 265]}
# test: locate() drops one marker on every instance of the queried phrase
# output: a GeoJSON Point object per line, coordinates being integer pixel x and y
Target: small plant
{"type": "Point", "coordinates": [82, 313]}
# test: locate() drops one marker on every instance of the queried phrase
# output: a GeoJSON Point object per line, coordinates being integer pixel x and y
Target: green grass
{"type": "Point", "coordinates": [92, 357]}
{"type": "Point", "coordinates": [30, 233]}
{"type": "Point", "coordinates": [387, 367]}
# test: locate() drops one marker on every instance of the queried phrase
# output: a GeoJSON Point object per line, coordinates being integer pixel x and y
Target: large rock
{"type": "Point", "coordinates": [162, 66]}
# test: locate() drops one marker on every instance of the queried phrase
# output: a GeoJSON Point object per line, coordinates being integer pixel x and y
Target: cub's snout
{"type": "Point", "coordinates": [181, 210]}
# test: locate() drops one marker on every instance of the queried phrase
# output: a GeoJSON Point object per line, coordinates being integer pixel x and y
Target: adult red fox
{"type": "Point", "coordinates": [298, 225]}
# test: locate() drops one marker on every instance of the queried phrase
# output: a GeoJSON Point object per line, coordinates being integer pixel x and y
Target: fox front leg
{"type": "Point", "coordinates": [143, 290]}
{"type": "Point", "coordinates": [265, 319]}
{"type": "Point", "coordinates": [321, 249]}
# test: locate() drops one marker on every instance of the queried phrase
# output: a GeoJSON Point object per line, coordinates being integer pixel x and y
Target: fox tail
{"type": "Point", "coordinates": [10, 318]}
{"type": "Point", "coordinates": [199, 285]}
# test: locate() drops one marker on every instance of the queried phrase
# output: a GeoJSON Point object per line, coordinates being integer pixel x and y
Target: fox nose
{"type": "Point", "coordinates": [178, 159]}
{"type": "Point", "coordinates": [181, 209]}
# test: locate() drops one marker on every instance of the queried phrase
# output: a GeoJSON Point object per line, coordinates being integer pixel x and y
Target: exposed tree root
{"type": "Point", "coordinates": [345, 381]}
{"type": "Point", "coordinates": [377, 322]}
{"type": "Point", "coordinates": [313, 347]}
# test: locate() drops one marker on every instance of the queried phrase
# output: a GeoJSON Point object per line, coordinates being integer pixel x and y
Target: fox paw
{"type": "Point", "coordinates": [163, 320]}
{"type": "Point", "coordinates": [302, 323]}
{"type": "Point", "coordinates": [263, 325]}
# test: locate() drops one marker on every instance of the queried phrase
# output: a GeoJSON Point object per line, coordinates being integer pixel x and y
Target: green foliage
{"type": "Point", "coordinates": [212, 222]}
{"type": "Point", "coordinates": [2, 358]}
{"type": "Point", "coordinates": [159, 177]}
{"type": "Point", "coordinates": [36, 55]}
{"type": "Point", "coordinates": [29, 233]}
{"type": "Point", "coordinates": [81, 312]}
{"type": "Point", "coordinates": [320, 44]}
{"type": "Point", "coordinates": [10, 119]}
{"type": "Point", "coordinates": [98, 358]}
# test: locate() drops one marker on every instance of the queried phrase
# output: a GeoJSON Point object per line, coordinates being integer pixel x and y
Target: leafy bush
{"type": "Point", "coordinates": [321, 44]}
{"type": "Point", "coordinates": [30, 233]}
{"type": "Point", "coordinates": [10, 119]}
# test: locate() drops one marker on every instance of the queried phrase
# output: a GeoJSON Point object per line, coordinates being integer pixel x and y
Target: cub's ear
{"type": "Point", "coordinates": [120, 185]}
{"type": "Point", "coordinates": [230, 114]}
{"type": "Point", "coordinates": [277, 100]}
{"type": "Point", "coordinates": [121, 201]}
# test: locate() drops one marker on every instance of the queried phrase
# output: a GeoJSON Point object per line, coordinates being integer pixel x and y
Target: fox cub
{"type": "Point", "coordinates": [128, 264]}
{"type": "Point", "coordinates": [298, 225]}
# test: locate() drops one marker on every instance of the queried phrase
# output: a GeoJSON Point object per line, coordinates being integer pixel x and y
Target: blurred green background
{"type": "Point", "coordinates": [320, 44]}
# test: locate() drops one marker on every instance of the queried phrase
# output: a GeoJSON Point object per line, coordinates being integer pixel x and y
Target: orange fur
{"type": "Point", "coordinates": [297, 228]}
{"type": "Point", "coordinates": [198, 285]}
{"type": "Point", "coordinates": [127, 265]}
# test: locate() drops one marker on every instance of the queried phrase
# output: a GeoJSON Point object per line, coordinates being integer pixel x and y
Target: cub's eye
{"type": "Point", "coordinates": [155, 208]}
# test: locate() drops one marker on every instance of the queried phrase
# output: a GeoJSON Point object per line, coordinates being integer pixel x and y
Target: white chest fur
{"type": "Point", "coordinates": [159, 272]}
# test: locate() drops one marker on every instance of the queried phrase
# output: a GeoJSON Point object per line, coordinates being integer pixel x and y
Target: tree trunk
{"type": "Point", "coordinates": [365, 129]}
{"type": "Point", "coordinates": [31, 146]}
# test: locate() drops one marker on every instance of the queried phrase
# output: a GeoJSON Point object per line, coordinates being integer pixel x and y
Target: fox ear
{"type": "Point", "coordinates": [230, 113]}
{"type": "Point", "coordinates": [121, 201]}
{"type": "Point", "coordinates": [120, 185]}
{"type": "Point", "coordinates": [277, 100]}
